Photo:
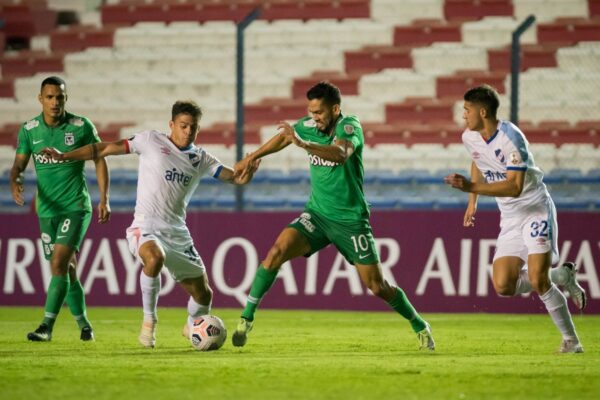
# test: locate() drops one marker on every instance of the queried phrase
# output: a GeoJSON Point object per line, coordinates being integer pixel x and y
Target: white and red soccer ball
{"type": "Point", "coordinates": [207, 332]}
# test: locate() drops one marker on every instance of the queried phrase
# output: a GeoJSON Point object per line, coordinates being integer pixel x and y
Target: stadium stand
{"type": "Point", "coordinates": [126, 62]}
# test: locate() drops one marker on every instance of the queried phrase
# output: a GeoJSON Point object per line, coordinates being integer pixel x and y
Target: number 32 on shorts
{"type": "Point", "coordinates": [539, 228]}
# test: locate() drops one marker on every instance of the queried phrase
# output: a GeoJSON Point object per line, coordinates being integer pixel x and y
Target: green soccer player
{"type": "Point", "coordinates": [336, 212]}
{"type": "Point", "coordinates": [62, 202]}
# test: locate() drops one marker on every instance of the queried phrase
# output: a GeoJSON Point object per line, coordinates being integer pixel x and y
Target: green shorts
{"type": "Point", "coordinates": [67, 229]}
{"type": "Point", "coordinates": [354, 240]}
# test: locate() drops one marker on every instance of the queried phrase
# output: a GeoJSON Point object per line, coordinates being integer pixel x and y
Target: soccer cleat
{"type": "Point", "coordinates": [576, 292]}
{"type": "Point", "coordinates": [87, 334]}
{"type": "Point", "coordinates": [148, 334]}
{"type": "Point", "coordinates": [425, 338]}
{"type": "Point", "coordinates": [570, 346]}
{"type": "Point", "coordinates": [240, 336]}
{"type": "Point", "coordinates": [41, 334]}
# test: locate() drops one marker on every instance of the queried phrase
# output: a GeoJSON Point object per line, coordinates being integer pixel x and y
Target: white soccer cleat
{"type": "Point", "coordinates": [147, 336]}
{"type": "Point", "coordinates": [240, 336]}
{"type": "Point", "coordinates": [426, 339]}
{"type": "Point", "coordinates": [570, 346]}
{"type": "Point", "coordinates": [576, 292]}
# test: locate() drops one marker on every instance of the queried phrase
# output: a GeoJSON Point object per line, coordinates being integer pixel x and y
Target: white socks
{"type": "Point", "coordinates": [195, 310]}
{"type": "Point", "coordinates": [556, 304]}
{"type": "Point", "coordinates": [150, 290]}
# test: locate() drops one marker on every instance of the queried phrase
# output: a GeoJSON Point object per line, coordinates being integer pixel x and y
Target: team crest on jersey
{"type": "Point", "coordinates": [349, 129]}
{"type": "Point", "coordinates": [194, 159]}
{"type": "Point", "coordinates": [514, 158]}
{"type": "Point", "coordinates": [76, 121]}
{"type": "Point", "coordinates": [69, 139]}
{"type": "Point", "coordinates": [499, 155]}
{"type": "Point", "coordinates": [310, 123]}
{"type": "Point", "coordinates": [34, 123]}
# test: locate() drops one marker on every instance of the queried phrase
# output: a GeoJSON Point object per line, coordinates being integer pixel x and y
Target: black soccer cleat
{"type": "Point", "coordinates": [41, 334]}
{"type": "Point", "coordinates": [87, 334]}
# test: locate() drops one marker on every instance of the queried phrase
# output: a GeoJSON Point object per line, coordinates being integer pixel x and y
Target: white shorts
{"type": "Point", "coordinates": [533, 233]}
{"type": "Point", "coordinates": [181, 258]}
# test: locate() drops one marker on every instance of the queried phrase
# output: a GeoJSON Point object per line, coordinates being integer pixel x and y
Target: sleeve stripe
{"type": "Point", "coordinates": [218, 171]}
{"type": "Point", "coordinates": [516, 168]}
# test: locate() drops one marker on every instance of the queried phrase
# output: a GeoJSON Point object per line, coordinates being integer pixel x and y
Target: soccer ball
{"type": "Point", "coordinates": [208, 333]}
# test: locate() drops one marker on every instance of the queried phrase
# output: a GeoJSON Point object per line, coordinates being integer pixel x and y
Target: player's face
{"type": "Point", "coordinates": [184, 129]}
{"type": "Point", "coordinates": [53, 99]}
{"type": "Point", "coordinates": [322, 114]}
{"type": "Point", "coordinates": [473, 116]}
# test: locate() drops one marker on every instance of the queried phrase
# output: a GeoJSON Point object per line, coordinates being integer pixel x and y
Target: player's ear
{"type": "Point", "coordinates": [171, 124]}
{"type": "Point", "coordinates": [483, 112]}
{"type": "Point", "coordinates": [336, 108]}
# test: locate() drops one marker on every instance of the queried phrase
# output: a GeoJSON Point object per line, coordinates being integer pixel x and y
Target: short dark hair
{"type": "Point", "coordinates": [486, 96]}
{"type": "Point", "coordinates": [328, 92]}
{"type": "Point", "coordinates": [55, 81]}
{"type": "Point", "coordinates": [186, 107]}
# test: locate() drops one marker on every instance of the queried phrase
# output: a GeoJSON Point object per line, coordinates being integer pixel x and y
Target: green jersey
{"type": "Point", "coordinates": [61, 187]}
{"type": "Point", "coordinates": [337, 189]}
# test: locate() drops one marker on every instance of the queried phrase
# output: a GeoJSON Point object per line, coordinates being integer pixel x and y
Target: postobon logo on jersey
{"type": "Point", "coordinates": [316, 160]}
{"type": "Point", "coordinates": [43, 159]}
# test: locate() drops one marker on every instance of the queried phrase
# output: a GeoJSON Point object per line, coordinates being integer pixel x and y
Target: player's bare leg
{"type": "Point", "coordinates": [395, 297]}
{"type": "Point", "coordinates": [153, 258]}
{"type": "Point", "coordinates": [290, 244]}
{"type": "Point", "coordinates": [199, 302]}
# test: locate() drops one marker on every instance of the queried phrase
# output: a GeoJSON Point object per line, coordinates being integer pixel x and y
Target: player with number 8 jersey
{"type": "Point", "coordinates": [62, 201]}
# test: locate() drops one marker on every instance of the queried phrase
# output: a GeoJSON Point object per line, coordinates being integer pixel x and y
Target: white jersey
{"type": "Point", "coordinates": [507, 150]}
{"type": "Point", "coordinates": [167, 178]}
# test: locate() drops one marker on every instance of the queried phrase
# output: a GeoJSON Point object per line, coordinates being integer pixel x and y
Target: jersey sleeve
{"type": "Point", "coordinates": [211, 164]}
{"type": "Point", "coordinates": [91, 133]}
{"type": "Point", "coordinates": [303, 126]}
{"type": "Point", "coordinates": [138, 142]}
{"type": "Point", "coordinates": [23, 145]}
{"type": "Point", "coordinates": [516, 150]}
{"type": "Point", "coordinates": [350, 129]}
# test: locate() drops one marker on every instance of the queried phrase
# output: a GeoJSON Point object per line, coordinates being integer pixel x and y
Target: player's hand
{"type": "Point", "coordinates": [53, 153]}
{"type": "Point", "coordinates": [244, 172]}
{"type": "Point", "coordinates": [459, 182]}
{"type": "Point", "coordinates": [469, 217]}
{"type": "Point", "coordinates": [17, 190]}
{"type": "Point", "coordinates": [287, 131]}
{"type": "Point", "coordinates": [103, 212]}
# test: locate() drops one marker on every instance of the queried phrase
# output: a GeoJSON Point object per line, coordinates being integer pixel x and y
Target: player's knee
{"type": "Point", "coordinates": [504, 289]}
{"type": "Point", "coordinates": [153, 263]}
{"type": "Point", "coordinates": [275, 257]}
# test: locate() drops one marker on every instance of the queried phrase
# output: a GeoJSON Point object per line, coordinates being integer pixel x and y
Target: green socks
{"type": "Point", "coordinates": [262, 283]}
{"type": "Point", "coordinates": [57, 292]}
{"type": "Point", "coordinates": [76, 302]}
{"type": "Point", "coordinates": [403, 307]}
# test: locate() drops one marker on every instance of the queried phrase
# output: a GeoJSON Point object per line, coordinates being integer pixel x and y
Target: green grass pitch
{"type": "Point", "coordinates": [299, 355]}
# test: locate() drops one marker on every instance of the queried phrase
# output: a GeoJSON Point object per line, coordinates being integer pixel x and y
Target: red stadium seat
{"type": "Point", "coordinates": [457, 84]}
{"type": "Point", "coordinates": [420, 110]}
{"type": "Point", "coordinates": [532, 56]}
{"type": "Point", "coordinates": [571, 30]}
{"type": "Point", "coordinates": [477, 9]}
{"type": "Point", "coordinates": [78, 38]}
{"type": "Point", "coordinates": [425, 32]}
{"type": "Point", "coordinates": [376, 58]}
{"type": "Point", "coordinates": [410, 134]}
{"type": "Point", "coordinates": [7, 88]}
{"type": "Point", "coordinates": [26, 63]}
{"type": "Point", "coordinates": [27, 20]}
{"type": "Point", "coordinates": [273, 110]}
{"type": "Point", "coordinates": [348, 84]}
{"type": "Point", "coordinates": [594, 6]}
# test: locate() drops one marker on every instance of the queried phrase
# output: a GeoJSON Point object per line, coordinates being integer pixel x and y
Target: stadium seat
{"type": "Point", "coordinates": [476, 9]}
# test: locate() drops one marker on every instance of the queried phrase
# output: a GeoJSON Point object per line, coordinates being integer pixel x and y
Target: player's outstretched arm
{"type": "Point", "coordinates": [16, 178]}
{"type": "Point", "coordinates": [273, 145]}
{"type": "Point", "coordinates": [240, 177]}
{"type": "Point", "coordinates": [103, 187]}
{"type": "Point", "coordinates": [89, 152]}
{"type": "Point", "coordinates": [512, 186]}
{"type": "Point", "coordinates": [338, 152]}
